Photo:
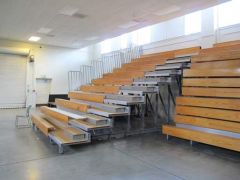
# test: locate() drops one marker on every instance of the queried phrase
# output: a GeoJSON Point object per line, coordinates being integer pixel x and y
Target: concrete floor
{"type": "Point", "coordinates": [25, 154]}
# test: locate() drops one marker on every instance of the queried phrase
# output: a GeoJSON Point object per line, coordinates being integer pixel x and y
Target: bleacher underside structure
{"type": "Point", "coordinates": [137, 94]}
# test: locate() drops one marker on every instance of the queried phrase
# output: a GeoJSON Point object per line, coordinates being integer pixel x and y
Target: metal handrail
{"type": "Point", "coordinates": [105, 64]}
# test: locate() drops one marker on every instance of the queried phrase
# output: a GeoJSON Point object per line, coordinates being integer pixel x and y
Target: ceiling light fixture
{"type": "Point", "coordinates": [129, 24]}
{"type": "Point", "coordinates": [68, 11]}
{"type": "Point", "coordinates": [44, 30]}
{"type": "Point", "coordinates": [168, 10]}
{"type": "Point", "coordinates": [92, 38]}
{"type": "Point", "coordinates": [34, 38]}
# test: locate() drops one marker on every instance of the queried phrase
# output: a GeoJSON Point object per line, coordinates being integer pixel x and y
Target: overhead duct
{"type": "Point", "coordinates": [15, 51]}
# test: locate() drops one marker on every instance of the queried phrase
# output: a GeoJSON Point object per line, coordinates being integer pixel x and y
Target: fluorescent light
{"type": "Point", "coordinates": [34, 38]}
{"type": "Point", "coordinates": [68, 11]}
{"type": "Point", "coordinates": [129, 24]}
{"type": "Point", "coordinates": [44, 30]}
{"type": "Point", "coordinates": [92, 38]}
{"type": "Point", "coordinates": [167, 10]}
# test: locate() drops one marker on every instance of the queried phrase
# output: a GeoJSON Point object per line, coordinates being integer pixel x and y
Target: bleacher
{"type": "Point", "coordinates": [207, 111]}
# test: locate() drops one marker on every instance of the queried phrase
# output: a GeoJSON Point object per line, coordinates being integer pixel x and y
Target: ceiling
{"type": "Point", "coordinates": [79, 23]}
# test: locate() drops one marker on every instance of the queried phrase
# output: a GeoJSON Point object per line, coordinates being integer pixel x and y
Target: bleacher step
{"type": "Point", "coordinates": [140, 88]}
{"type": "Point", "coordinates": [106, 113]}
{"type": "Point", "coordinates": [179, 60]}
{"type": "Point", "coordinates": [86, 126]}
{"type": "Point", "coordinates": [203, 137]}
{"type": "Point", "coordinates": [91, 118]}
{"type": "Point", "coordinates": [169, 66]}
{"type": "Point", "coordinates": [152, 81]}
{"type": "Point", "coordinates": [124, 98]}
{"type": "Point", "coordinates": [105, 107]}
{"type": "Point", "coordinates": [75, 134]}
{"type": "Point", "coordinates": [70, 115]}
{"type": "Point", "coordinates": [162, 74]}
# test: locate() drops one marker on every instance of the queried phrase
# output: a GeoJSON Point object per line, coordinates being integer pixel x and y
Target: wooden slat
{"type": "Point", "coordinates": [232, 104]}
{"type": "Point", "coordinates": [72, 105]}
{"type": "Point", "coordinates": [144, 68]}
{"type": "Point", "coordinates": [227, 56]}
{"type": "Point", "coordinates": [228, 43]}
{"type": "Point", "coordinates": [234, 64]}
{"type": "Point", "coordinates": [58, 116]}
{"type": "Point", "coordinates": [100, 89]}
{"type": "Point", "coordinates": [42, 124]}
{"type": "Point", "coordinates": [203, 137]}
{"type": "Point", "coordinates": [208, 123]}
{"type": "Point", "coordinates": [228, 49]}
{"type": "Point", "coordinates": [145, 61]}
{"type": "Point", "coordinates": [112, 81]}
{"type": "Point", "coordinates": [212, 82]}
{"type": "Point", "coordinates": [86, 96]}
{"type": "Point", "coordinates": [125, 74]}
{"type": "Point", "coordinates": [168, 55]}
{"type": "Point", "coordinates": [187, 51]}
{"type": "Point", "coordinates": [211, 73]}
{"type": "Point", "coordinates": [227, 115]}
{"type": "Point", "coordinates": [211, 92]}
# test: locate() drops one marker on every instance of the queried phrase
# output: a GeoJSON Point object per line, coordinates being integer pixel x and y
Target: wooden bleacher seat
{"type": "Point", "coordinates": [112, 81]}
{"type": "Point", "coordinates": [60, 115]}
{"type": "Point", "coordinates": [228, 43]}
{"type": "Point", "coordinates": [203, 137]}
{"type": "Point", "coordinates": [72, 105]}
{"type": "Point", "coordinates": [100, 89]}
{"type": "Point", "coordinates": [42, 124]}
{"type": "Point", "coordinates": [86, 96]}
{"type": "Point", "coordinates": [125, 74]}
{"type": "Point", "coordinates": [209, 110]}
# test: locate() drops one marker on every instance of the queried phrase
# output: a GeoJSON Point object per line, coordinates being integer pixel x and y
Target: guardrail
{"type": "Point", "coordinates": [105, 64]}
{"type": "Point", "coordinates": [75, 80]}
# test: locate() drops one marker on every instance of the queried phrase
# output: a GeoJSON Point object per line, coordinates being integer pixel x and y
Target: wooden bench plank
{"type": "Point", "coordinates": [112, 81]}
{"type": "Point", "coordinates": [212, 82]}
{"type": "Point", "coordinates": [211, 73]}
{"type": "Point", "coordinates": [46, 110]}
{"type": "Point", "coordinates": [44, 126]}
{"type": "Point", "coordinates": [125, 74]}
{"type": "Point", "coordinates": [86, 96]}
{"type": "Point", "coordinates": [100, 89]}
{"type": "Point", "coordinates": [187, 51]}
{"type": "Point", "coordinates": [146, 61]}
{"type": "Point", "coordinates": [227, 115]}
{"type": "Point", "coordinates": [234, 64]}
{"type": "Point", "coordinates": [228, 43]}
{"type": "Point", "coordinates": [226, 49]}
{"type": "Point", "coordinates": [216, 57]}
{"type": "Point", "coordinates": [232, 104]}
{"type": "Point", "coordinates": [72, 105]}
{"type": "Point", "coordinates": [203, 137]}
{"type": "Point", "coordinates": [208, 123]}
{"type": "Point", "coordinates": [211, 92]}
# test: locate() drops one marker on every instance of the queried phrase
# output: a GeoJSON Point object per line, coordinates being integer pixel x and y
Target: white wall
{"type": "Point", "coordinates": [51, 62]}
{"type": "Point", "coordinates": [170, 35]}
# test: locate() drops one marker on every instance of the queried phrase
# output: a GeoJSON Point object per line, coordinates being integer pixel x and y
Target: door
{"type": "Point", "coordinates": [12, 81]}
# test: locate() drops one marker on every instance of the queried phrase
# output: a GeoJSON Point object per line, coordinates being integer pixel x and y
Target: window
{"type": "Point", "coordinates": [124, 41]}
{"type": "Point", "coordinates": [227, 14]}
{"type": "Point", "coordinates": [193, 23]}
{"type": "Point", "coordinates": [144, 36]}
{"type": "Point", "coordinates": [106, 46]}
{"type": "Point", "coordinates": [141, 36]}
